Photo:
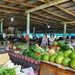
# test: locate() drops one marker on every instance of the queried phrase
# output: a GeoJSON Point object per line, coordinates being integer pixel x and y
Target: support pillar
{"type": "Point", "coordinates": [33, 31]}
{"type": "Point", "coordinates": [16, 32]}
{"type": "Point", "coordinates": [2, 28]}
{"type": "Point", "coordinates": [65, 25]}
{"type": "Point", "coordinates": [28, 27]}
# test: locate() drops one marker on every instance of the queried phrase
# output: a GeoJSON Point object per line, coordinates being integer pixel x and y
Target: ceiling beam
{"type": "Point", "coordinates": [20, 3]}
{"type": "Point", "coordinates": [1, 19]}
{"type": "Point", "coordinates": [36, 23]}
{"type": "Point", "coordinates": [65, 10]}
{"type": "Point", "coordinates": [73, 0]}
{"type": "Point", "coordinates": [30, 20]}
{"type": "Point", "coordinates": [38, 19]}
{"type": "Point", "coordinates": [9, 11]}
{"type": "Point", "coordinates": [26, 1]}
{"type": "Point", "coordinates": [69, 22]}
{"type": "Point", "coordinates": [33, 20]}
{"type": "Point", "coordinates": [49, 12]}
{"type": "Point", "coordinates": [48, 17]}
{"type": "Point", "coordinates": [51, 3]}
{"type": "Point", "coordinates": [42, 0]}
{"type": "Point", "coordinates": [17, 20]}
{"type": "Point", "coordinates": [45, 21]}
{"type": "Point", "coordinates": [10, 7]}
{"type": "Point", "coordinates": [40, 22]}
{"type": "Point", "coordinates": [21, 23]}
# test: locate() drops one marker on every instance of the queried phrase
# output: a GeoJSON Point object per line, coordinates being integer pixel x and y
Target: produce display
{"type": "Point", "coordinates": [52, 57]}
{"type": "Point", "coordinates": [35, 52]}
{"type": "Point", "coordinates": [66, 61]}
{"type": "Point", "coordinates": [18, 48]}
{"type": "Point", "coordinates": [22, 46]}
{"type": "Point", "coordinates": [61, 53]}
{"type": "Point", "coordinates": [10, 69]}
{"type": "Point", "coordinates": [46, 57]}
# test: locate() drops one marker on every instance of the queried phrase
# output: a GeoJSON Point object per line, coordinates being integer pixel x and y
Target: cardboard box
{"type": "Point", "coordinates": [4, 58]}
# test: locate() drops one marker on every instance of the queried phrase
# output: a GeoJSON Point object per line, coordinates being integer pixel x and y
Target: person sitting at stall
{"type": "Point", "coordinates": [72, 41]}
{"type": "Point", "coordinates": [67, 39]}
{"type": "Point", "coordinates": [51, 39]}
{"type": "Point", "coordinates": [44, 41]}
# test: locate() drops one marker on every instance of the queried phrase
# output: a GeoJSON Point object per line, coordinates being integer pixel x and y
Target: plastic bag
{"type": "Point", "coordinates": [28, 71]}
{"type": "Point", "coordinates": [21, 73]}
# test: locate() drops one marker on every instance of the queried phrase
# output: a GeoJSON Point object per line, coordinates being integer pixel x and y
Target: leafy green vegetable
{"type": "Point", "coordinates": [2, 68]}
{"type": "Point", "coordinates": [39, 50]}
{"type": "Point", "coordinates": [5, 71]}
{"type": "Point", "coordinates": [64, 46]}
{"type": "Point", "coordinates": [32, 50]}
{"type": "Point", "coordinates": [28, 51]}
{"type": "Point", "coordinates": [22, 46]}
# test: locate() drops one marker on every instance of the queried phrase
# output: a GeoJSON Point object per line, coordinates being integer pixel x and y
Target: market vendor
{"type": "Point", "coordinates": [51, 39]}
{"type": "Point", "coordinates": [44, 40]}
{"type": "Point", "coordinates": [72, 41]}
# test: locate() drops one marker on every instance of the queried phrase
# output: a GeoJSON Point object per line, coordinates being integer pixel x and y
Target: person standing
{"type": "Point", "coordinates": [72, 41]}
{"type": "Point", "coordinates": [44, 41]}
{"type": "Point", "coordinates": [51, 39]}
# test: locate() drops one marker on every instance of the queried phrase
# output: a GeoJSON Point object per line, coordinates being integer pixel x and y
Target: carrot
{"type": "Point", "coordinates": [37, 54]}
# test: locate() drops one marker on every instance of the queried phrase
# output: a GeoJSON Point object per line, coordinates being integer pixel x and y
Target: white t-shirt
{"type": "Point", "coordinates": [51, 40]}
{"type": "Point", "coordinates": [72, 44]}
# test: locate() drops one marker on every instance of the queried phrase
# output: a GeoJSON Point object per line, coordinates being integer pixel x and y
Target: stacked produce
{"type": "Point", "coordinates": [18, 48]}
{"type": "Point", "coordinates": [10, 69]}
{"type": "Point", "coordinates": [35, 52]}
{"type": "Point", "coordinates": [61, 53]}
{"type": "Point", "coordinates": [6, 71]}
{"type": "Point", "coordinates": [22, 46]}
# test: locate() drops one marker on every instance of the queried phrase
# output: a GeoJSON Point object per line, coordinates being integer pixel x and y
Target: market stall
{"type": "Point", "coordinates": [57, 57]}
{"type": "Point", "coordinates": [61, 55]}
{"type": "Point", "coordinates": [24, 61]}
{"type": "Point", "coordinates": [12, 63]}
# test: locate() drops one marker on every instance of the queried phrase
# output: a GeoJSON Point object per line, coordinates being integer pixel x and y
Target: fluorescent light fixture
{"type": "Point", "coordinates": [48, 26]}
{"type": "Point", "coordinates": [12, 19]}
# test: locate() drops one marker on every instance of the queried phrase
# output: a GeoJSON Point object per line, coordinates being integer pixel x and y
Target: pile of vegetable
{"type": "Point", "coordinates": [19, 47]}
{"type": "Point", "coordinates": [66, 58]}
{"type": "Point", "coordinates": [22, 46]}
{"type": "Point", "coordinates": [61, 53]}
{"type": "Point", "coordinates": [6, 71]}
{"type": "Point", "coordinates": [10, 69]}
{"type": "Point", "coordinates": [64, 46]}
{"type": "Point", "coordinates": [35, 52]}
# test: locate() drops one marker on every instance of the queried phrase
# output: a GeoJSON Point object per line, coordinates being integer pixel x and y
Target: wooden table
{"type": "Point", "coordinates": [49, 68]}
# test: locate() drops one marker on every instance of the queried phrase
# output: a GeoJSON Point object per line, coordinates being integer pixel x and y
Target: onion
{"type": "Point", "coordinates": [51, 51]}
{"type": "Point", "coordinates": [58, 48]}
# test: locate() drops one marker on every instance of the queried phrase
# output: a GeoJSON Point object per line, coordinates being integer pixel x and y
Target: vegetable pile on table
{"type": "Point", "coordinates": [6, 71]}
{"type": "Point", "coordinates": [35, 52]}
{"type": "Point", "coordinates": [64, 55]}
{"type": "Point", "coordinates": [10, 69]}
{"type": "Point", "coordinates": [22, 46]}
{"type": "Point", "coordinates": [19, 47]}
